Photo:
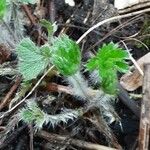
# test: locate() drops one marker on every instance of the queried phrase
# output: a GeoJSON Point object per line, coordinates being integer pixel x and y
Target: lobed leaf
{"type": "Point", "coordinates": [32, 59]}
{"type": "Point", "coordinates": [66, 55]}
{"type": "Point", "coordinates": [109, 59]}
{"type": "Point", "coordinates": [33, 114]}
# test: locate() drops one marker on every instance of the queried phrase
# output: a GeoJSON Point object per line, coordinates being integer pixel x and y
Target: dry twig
{"type": "Point", "coordinates": [29, 15]}
{"type": "Point", "coordinates": [82, 144]}
{"type": "Point", "coordinates": [7, 99]}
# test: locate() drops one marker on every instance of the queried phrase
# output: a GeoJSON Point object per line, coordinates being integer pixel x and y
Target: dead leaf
{"type": "Point", "coordinates": [133, 79]}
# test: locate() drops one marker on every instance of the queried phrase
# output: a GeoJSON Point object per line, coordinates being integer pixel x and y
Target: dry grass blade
{"type": "Point", "coordinates": [111, 20]}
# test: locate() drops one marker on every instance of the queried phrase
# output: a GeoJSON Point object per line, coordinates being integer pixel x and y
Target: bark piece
{"type": "Point", "coordinates": [145, 111]}
{"type": "Point", "coordinates": [132, 80]}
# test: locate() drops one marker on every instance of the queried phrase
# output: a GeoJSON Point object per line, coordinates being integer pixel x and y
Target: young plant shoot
{"type": "Point", "coordinates": [33, 114]}
{"type": "Point", "coordinates": [108, 61]}
{"type": "Point", "coordinates": [67, 59]}
{"type": "Point", "coordinates": [65, 55]}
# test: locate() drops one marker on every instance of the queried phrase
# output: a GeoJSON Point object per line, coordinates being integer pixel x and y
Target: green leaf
{"type": "Point", "coordinates": [92, 64]}
{"type": "Point", "coordinates": [2, 8]}
{"type": "Point", "coordinates": [122, 66]}
{"type": "Point", "coordinates": [66, 55]}
{"type": "Point", "coordinates": [109, 82]}
{"type": "Point", "coordinates": [109, 59]}
{"type": "Point", "coordinates": [32, 114]}
{"type": "Point", "coordinates": [45, 51]}
{"type": "Point", "coordinates": [32, 59]}
{"type": "Point", "coordinates": [48, 26]}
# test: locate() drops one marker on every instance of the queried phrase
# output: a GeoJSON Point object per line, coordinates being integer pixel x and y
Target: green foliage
{"type": "Point", "coordinates": [32, 59]}
{"type": "Point", "coordinates": [33, 114]}
{"type": "Point", "coordinates": [109, 59]}
{"type": "Point", "coordinates": [66, 55]}
{"type": "Point", "coordinates": [48, 26]}
{"type": "Point", "coordinates": [2, 8]}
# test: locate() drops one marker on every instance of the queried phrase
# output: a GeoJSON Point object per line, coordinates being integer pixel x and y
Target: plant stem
{"type": "Point", "coordinates": [79, 85]}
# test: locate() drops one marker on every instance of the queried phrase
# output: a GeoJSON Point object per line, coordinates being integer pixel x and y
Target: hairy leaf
{"type": "Point", "coordinates": [66, 55]}
{"type": "Point", "coordinates": [32, 59]}
{"type": "Point", "coordinates": [33, 114]}
{"type": "Point", "coordinates": [109, 59]}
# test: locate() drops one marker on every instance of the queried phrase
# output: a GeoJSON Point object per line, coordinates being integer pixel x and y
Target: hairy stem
{"type": "Point", "coordinates": [79, 85]}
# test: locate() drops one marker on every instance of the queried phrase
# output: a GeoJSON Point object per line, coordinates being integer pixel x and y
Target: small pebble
{"type": "Point", "coordinates": [70, 2]}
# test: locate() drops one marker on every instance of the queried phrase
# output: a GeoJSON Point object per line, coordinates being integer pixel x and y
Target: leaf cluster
{"type": "Point", "coordinates": [109, 59]}
{"type": "Point", "coordinates": [66, 56]}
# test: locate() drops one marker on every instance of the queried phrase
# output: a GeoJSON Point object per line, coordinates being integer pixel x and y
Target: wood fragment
{"type": "Point", "coordinates": [144, 133]}
{"type": "Point", "coordinates": [2, 128]}
{"type": "Point", "coordinates": [29, 14]}
{"type": "Point", "coordinates": [82, 144]}
{"type": "Point", "coordinates": [133, 79]}
{"type": "Point", "coordinates": [53, 87]}
{"type": "Point", "coordinates": [7, 99]}
{"type": "Point", "coordinates": [51, 11]}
